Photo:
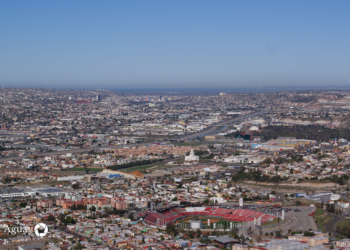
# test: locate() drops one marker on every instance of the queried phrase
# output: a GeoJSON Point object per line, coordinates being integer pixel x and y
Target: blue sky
{"type": "Point", "coordinates": [174, 44]}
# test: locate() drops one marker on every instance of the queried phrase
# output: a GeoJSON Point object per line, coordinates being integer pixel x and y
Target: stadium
{"type": "Point", "coordinates": [207, 217]}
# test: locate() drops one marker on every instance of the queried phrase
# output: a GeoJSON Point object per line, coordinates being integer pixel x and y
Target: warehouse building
{"type": "Point", "coordinates": [9, 193]}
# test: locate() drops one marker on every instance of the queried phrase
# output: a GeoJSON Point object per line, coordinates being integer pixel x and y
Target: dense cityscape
{"type": "Point", "coordinates": [174, 125]}
{"type": "Point", "coordinates": [99, 169]}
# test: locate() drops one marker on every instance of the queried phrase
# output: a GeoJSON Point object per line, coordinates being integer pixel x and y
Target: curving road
{"type": "Point", "coordinates": [215, 127]}
{"type": "Point", "coordinates": [331, 225]}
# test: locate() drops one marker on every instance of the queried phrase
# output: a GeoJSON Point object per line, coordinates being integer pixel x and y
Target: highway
{"type": "Point", "coordinates": [214, 127]}
{"type": "Point", "coordinates": [210, 130]}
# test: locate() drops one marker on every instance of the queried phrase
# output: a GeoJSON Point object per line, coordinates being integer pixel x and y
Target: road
{"type": "Point", "coordinates": [209, 130]}
{"type": "Point", "coordinates": [216, 126]}
{"type": "Point", "coordinates": [296, 221]}
{"type": "Point", "coordinates": [330, 226]}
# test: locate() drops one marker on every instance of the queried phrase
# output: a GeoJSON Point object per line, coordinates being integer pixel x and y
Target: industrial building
{"type": "Point", "coordinates": [46, 191]}
{"type": "Point", "coordinates": [9, 193]}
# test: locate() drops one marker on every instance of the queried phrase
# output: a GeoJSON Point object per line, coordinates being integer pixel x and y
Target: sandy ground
{"type": "Point", "coordinates": [157, 173]}
{"type": "Point", "coordinates": [291, 185]}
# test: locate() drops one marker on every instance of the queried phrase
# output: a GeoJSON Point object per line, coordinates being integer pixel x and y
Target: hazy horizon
{"type": "Point", "coordinates": [165, 45]}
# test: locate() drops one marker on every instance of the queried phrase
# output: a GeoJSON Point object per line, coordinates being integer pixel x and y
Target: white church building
{"type": "Point", "coordinates": [192, 158]}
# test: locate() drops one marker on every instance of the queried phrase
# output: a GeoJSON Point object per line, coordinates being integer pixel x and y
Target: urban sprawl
{"type": "Point", "coordinates": [99, 169]}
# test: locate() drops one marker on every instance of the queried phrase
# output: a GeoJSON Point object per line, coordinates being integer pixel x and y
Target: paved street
{"type": "Point", "coordinates": [331, 225]}
{"type": "Point", "coordinates": [296, 221]}
{"type": "Point", "coordinates": [216, 126]}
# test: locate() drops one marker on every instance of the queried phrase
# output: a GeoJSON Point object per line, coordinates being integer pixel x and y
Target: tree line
{"type": "Point", "coordinates": [310, 132]}
{"type": "Point", "coordinates": [133, 164]}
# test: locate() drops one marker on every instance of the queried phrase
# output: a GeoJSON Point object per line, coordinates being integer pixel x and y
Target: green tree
{"type": "Point", "coordinates": [170, 229]}
{"type": "Point", "coordinates": [199, 233]}
{"type": "Point", "coordinates": [309, 234]}
{"type": "Point", "coordinates": [69, 220]}
{"type": "Point", "coordinates": [78, 247]}
{"type": "Point", "coordinates": [23, 204]}
{"type": "Point", "coordinates": [51, 218]}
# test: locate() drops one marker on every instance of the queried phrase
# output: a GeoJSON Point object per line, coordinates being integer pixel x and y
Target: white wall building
{"type": "Point", "coordinates": [192, 158]}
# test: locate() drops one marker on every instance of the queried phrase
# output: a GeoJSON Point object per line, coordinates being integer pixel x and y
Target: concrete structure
{"type": "Point", "coordinates": [31, 246]}
{"type": "Point", "coordinates": [343, 204]}
{"type": "Point", "coordinates": [280, 244]}
{"type": "Point", "coordinates": [48, 191]}
{"type": "Point", "coordinates": [120, 205]}
{"type": "Point", "coordinates": [224, 241]}
{"type": "Point", "coordinates": [71, 178]}
{"type": "Point", "coordinates": [192, 158]}
{"type": "Point", "coordinates": [343, 243]}
{"type": "Point", "coordinates": [138, 175]}
{"type": "Point", "coordinates": [195, 224]}
{"type": "Point", "coordinates": [240, 247]}
{"type": "Point", "coordinates": [316, 241]}
{"type": "Point", "coordinates": [254, 128]}
{"type": "Point", "coordinates": [44, 204]}
{"type": "Point", "coordinates": [9, 193]}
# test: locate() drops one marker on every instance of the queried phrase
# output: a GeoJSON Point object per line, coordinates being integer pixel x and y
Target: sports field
{"type": "Point", "coordinates": [220, 224]}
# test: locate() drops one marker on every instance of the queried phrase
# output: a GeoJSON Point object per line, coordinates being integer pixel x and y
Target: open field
{"type": "Point", "coordinates": [343, 224]}
{"type": "Point", "coordinates": [126, 170]}
{"type": "Point", "coordinates": [321, 219]}
{"type": "Point", "coordinates": [42, 183]}
{"type": "Point", "coordinates": [275, 221]}
{"type": "Point", "coordinates": [342, 227]}
{"type": "Point", "coordinates": [139, 168]}
{"type": "Point", "coordinates": [289, 187]}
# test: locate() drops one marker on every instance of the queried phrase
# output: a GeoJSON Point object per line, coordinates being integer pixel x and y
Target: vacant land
{"type": "Point", "coordinates": [275, 221]}
{"type": "Point", "coordinates": [139, 168]}
{"type": "Point", "coordinates": [42, 183]}
{"type": "Point", "coordinates": [343, 224]}
{"type": "Point", "coordinates": [311, 132]}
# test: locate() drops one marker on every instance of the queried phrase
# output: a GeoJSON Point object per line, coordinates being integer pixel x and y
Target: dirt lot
{"type": "Point", "coordinates": [297, 185]}
{"type": "Point", "coordinates": [293, 188]}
